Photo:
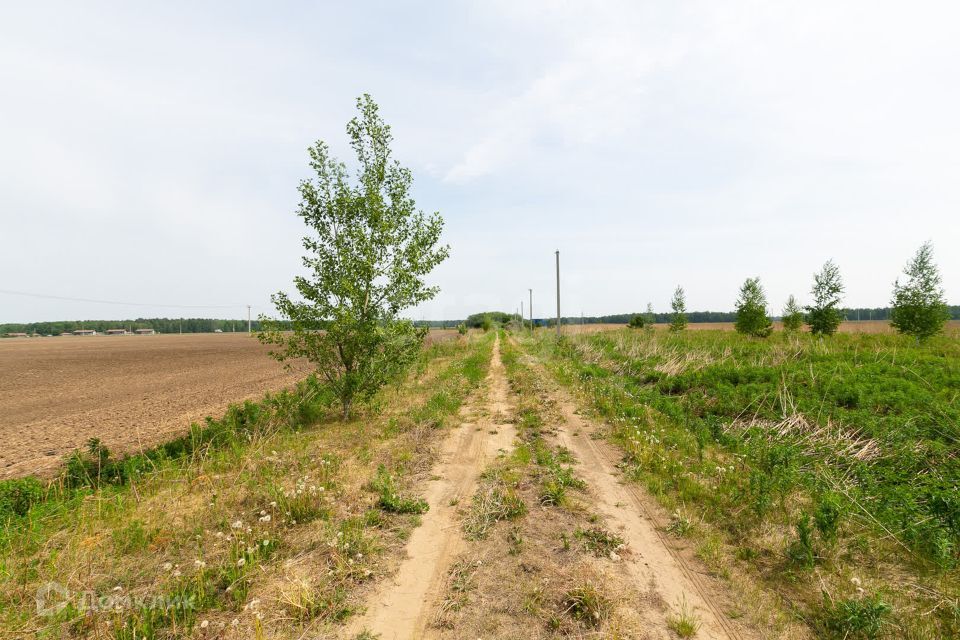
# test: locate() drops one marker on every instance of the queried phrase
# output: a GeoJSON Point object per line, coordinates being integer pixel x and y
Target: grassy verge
{"type": "Point", "coordinates": [827, 468]}
{"type": "Point", "coordinates": [269, 522]}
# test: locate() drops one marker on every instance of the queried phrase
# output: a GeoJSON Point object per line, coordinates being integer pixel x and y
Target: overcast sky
{"type": "Point", "coordinates": [150, 152]}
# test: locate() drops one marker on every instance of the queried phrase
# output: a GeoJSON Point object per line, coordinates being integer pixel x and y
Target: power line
{"type": "Point", "coordinates": [126, 304]}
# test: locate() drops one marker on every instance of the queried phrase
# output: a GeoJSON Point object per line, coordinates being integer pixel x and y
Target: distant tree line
{"type": "Point", "coordinates": [160, 325]}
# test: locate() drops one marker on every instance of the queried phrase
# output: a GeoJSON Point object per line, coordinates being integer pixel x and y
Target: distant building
{"type": "Point", "coordinates": [66, 333]}
{"type": "Point", "coordinates": [144, 332]}
{"type": "Point", "coordinates": [218, 330]}
{"type": "Point", "coordinates": [16, 335]}
{"type": "Point", "coordinates": [116, 332]}
{"type": "Point", "coordinates": [84, 332]}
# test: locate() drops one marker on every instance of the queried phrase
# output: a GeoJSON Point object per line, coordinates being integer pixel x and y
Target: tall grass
{"type": "Point", "coordinates": [837, 455]}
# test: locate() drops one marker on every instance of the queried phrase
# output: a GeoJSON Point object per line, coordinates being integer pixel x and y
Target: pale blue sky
{"type": "Point", "coordinates": [150, 152]}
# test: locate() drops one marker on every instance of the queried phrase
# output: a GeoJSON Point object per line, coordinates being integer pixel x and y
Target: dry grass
{"type": "Point", "coordinates": [274, 538]}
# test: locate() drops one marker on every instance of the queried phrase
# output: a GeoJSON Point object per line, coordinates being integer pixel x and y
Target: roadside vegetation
{"type": "Point", "coordinates": [827, 468]}
{"type": "Point", "coordinates": [269, 522]}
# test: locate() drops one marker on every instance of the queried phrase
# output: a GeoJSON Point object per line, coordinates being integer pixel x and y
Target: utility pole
{"type": "Point", "coordinates": [249, 330]}
{"type": "Point", "coordinates": [181, 326]}
{"type": "Point", "coordinates": [558, 293]}
{"type": "Point", "coordinates": [531, 308]}
{"type": "Point", "coordinates": [521, 314]}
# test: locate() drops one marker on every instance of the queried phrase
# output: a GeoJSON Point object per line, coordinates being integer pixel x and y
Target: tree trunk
{"type": "Point", "coordinates": [347, 403]}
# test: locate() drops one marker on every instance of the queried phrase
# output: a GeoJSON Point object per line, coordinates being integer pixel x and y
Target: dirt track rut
{"type": "Point", "coordinates": [655, 560]}
{"type": "Point", "coordinates": [401, 608]}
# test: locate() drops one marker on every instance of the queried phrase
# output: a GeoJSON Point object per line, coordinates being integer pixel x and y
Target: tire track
{"type": "Point", "coordinates": [401, 607]}
{"type": "Point", "coordinates": [627, 510]}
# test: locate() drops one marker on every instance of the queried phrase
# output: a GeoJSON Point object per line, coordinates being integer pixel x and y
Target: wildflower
{"type": "Point", "coordinates": [241, 562]}
{"type": "Point", "coordinates": [265, 518]}
{"type": "Point", "coordinates": [204, 624]}
{"type": "Point", "coordinates": [167, 566]}
{"type": "Point", "coordinates": [199, 564]}
{"type": "Point", "coordinates": [237, 525]}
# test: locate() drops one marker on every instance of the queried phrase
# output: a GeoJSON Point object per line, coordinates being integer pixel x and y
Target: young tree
{"type": "Point", "coordinates": [823, 315]}
{"type": "Point", "coordinates": [636, 322]}
{"type": "Point", "coordinates": [679, 306]}
{"type": "Point", "coordinates": [649, 319]}
{"type": "Point", "coordinates": [919, 308]}
{"type": "Point", "coordinates": [368, 251]}
{"type": "Point", "coordinates": [792, 315]}
{"type": "Point", "coordinates": [752, 318]}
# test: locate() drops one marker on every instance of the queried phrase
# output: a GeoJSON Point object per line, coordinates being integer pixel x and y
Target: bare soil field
{"type": "Point", "coordinates": [130, 391]}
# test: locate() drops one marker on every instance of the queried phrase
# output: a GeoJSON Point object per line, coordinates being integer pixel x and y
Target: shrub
{"type": "Point", "coordinates": [823, 315]}
{"type": "Point", "coordinates": [636, 322]}
{"type": "Point", "coordinates": [18, 495]}
{"type": "Point", "coordinates": [679, 306]}
{"type": "Point", "coordinates": [854, 618]}
{"type": "Point", "coordinates": [919, 308]}
{"type": "Point", "coordinates": [462, 329]}
{"type": "Point", "coordinates": [792, 315]}
{"type": "Point", "coordinates": [752, 317]}
{"type": "Point", "coordinates": [800, 552]}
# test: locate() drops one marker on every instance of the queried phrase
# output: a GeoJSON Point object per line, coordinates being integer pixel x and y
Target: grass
{"type": "Point", "coordinates": [814, 459]}
{"type": "Point", "coordinates": [270, 499]}
{"type": "Point", "coordinates": [683, 621]}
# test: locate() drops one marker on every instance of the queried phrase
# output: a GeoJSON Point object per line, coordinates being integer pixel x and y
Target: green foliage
{"type": "Point", "coordinates": [17, 495]}
{"type": "Point", "coordinates": [390, 499]}
{"type": "Point", "coordinates": [368, 252]}
{"type": "Point", "coordinates": [487, 319]}
{"type": "Point", "coordinates": [598, 541]}
{"type": "Point", "coordinates": [824, 316]}
{"type": "Point", "coordinates": [679, 305]}
{"type": "Point", "coordinates": [649, 318]}
{"type": "Point", "coordinates": [853, 618]}
{"type": "Point", "coordinates": [751, 307]}
{"type": "Point", "coordinates": [800, 552]}
{"type": "Point", "coordinates": [637, 322]}
{"type": "Point", "coordinates": [792, 315]}
{"type": "Point", "coordinates": [906, 427]}
{"type": "Point", "coordinates": [462, 329]}
{"type": "Point", "coordinates": [919, 307]}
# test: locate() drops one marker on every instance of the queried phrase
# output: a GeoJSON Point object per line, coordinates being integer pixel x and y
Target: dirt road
{"type": "Point", "coordinates": [129, 391]}
{"type": "Point", "coordinates": [401, 608]}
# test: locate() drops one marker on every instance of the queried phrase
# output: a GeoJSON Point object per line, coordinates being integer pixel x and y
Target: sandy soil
{"type": "Point", "coordinates": [129, 391]}
{"type": "Point", "coordinates": [401, 608]}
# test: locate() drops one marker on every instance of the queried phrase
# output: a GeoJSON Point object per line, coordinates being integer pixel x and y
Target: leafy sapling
{"type": "Point", "coordinates": [368, 251]}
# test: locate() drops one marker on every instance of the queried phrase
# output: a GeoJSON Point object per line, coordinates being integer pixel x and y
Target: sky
{"type": "Point", "coordinates": [150, 152]}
